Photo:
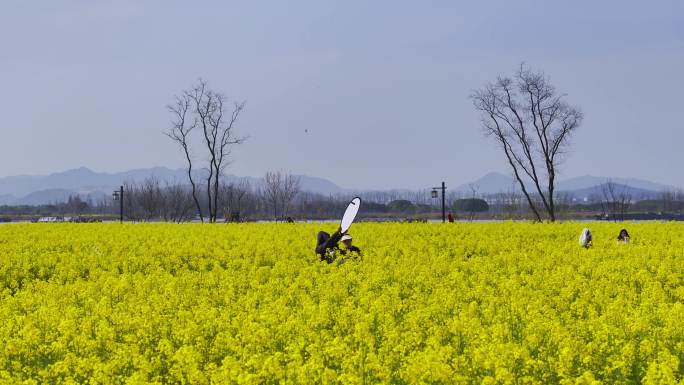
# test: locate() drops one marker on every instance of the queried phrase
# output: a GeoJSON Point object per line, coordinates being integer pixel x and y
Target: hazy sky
{"type": "Point", "coordinates": [381, 86]}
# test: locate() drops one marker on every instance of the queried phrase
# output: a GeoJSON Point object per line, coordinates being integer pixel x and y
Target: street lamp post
{"type": "Point", "coordinates": [119, 196]}
{"type": "Point", "coordinates": [434, 195]}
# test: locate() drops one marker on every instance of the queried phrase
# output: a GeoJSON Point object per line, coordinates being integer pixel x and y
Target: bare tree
{"type": "Point", "coordinates": [615, 199]}
{"type": "Point", "coordinates": [624, 201]}
{"type": "Point", "coordinates": [564, 202]}
{"type": "Point", "coordinates": [280, 188]}
{"type": "Point", "coordinates": [667, 197]}
{"type": "Point", "coordinates": [272, 183]}
{"type": "Point", "coordinates": [209, 114]}
{"type": "Point", "coordinates": [474, 189]}
{"type": "Point", "coordinates": [150, 197]}
{"type": "Point", "coordinates": [130, 202]}
{"type": "Point", "coordinates": [178, 202]}
{"type": "Point", "coordinates": [232, 197]}
{"type": "Point", "coordinates": [75, 205]}
{"type": "Point", "coordinates": [217, 129]}
{"type": "Point", "coordinates": [180, 133]}
{"type": "Point", "coordinates": [512, 202]}
{"type": "Point", "coordinates": [290, 188]}
{"type": "Point", "coordinates": [251, 201]}
{"type": "Point", "coordinates": [532, 124]}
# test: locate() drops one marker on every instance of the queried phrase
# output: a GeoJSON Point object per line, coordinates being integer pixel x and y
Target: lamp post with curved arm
{"type": "Point", "coordinates": [119, 196]}
{"type": "Point", "coordinates": [434, 195]}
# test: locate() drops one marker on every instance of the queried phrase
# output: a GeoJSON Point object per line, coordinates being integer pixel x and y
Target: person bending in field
{"type": "Point", "coordinates": [585, 238]}
{"type": "Point", "coordinates": [623, 237]}
{"type": "Point", "coordinates": [329, 249]}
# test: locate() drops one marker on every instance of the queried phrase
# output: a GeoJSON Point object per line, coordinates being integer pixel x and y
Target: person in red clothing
{"type": "Point", "coordinates": [450, 217]}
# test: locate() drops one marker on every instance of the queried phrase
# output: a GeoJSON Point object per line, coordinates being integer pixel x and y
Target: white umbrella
{"type": "Point", "coordinates": [350, 214]}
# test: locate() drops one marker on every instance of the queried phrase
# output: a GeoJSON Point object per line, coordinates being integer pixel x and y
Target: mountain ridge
{"type": "Point", "coordinates": [495, 182]}
{"type": "Point", "coordinates": [82, 181]}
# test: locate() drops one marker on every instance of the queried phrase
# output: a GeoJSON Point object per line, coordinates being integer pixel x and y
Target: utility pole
{"type": "Point", "coordinates": [443, 202]}
{"type": "Point", "coordinates": [121, 204]}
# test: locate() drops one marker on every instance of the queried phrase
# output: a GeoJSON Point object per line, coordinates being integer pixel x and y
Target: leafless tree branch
{"type": "Point", "coordinates": [532, 124]}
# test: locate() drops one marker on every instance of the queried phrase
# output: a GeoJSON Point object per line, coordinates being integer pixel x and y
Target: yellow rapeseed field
{"type": "Point", "coordinates": [492, 303]}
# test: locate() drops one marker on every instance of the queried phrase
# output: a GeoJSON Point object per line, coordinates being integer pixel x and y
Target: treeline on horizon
{"type": "Point", "coordinates": [154, 200]}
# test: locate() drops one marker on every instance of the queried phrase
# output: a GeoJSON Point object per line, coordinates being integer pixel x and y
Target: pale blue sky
{"type": "Point", "coordinates": [381, 86]}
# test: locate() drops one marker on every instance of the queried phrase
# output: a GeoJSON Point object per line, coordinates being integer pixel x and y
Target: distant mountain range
{"type": "Point", "coordinates": [579, 188]}
{"type": "Point", "coordinates": [495, 182]}
{"type": "Point", "coordinates": [57, 187]}
{"type": "Point", "coordinates": [88, 184]}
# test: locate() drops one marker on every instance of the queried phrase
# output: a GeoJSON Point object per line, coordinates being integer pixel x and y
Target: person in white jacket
{"type": "Point", "coordinates": [585, 238]}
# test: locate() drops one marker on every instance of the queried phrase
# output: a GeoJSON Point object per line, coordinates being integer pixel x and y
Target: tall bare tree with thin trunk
{"type": "Point", "coordinates": [180, 133]}
{"type": "Point", "coordinates": [533, 124]}
{"type": "Point", "coordinates": [217, 129]}
{"type": "Point", "coordinates": [216, 124]}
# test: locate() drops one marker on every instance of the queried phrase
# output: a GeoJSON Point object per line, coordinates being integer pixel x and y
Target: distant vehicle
{"type": "Point", "coordinates": [76, 219]}
{"type": "Point", "coordinates": [51, 219]}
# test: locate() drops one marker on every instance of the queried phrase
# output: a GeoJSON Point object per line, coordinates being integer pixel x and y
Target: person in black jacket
{"type": "Point", "coordinates": [623, 236]}
{"type": "Point", "coordinates": [329, 249]}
